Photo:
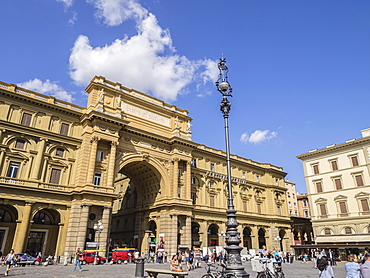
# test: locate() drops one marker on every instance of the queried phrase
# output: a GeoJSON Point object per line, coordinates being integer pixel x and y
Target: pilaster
{"type": "Point", "coordinates": [22, 228]}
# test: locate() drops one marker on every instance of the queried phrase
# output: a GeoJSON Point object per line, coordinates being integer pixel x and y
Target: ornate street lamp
{"type": "Point", "coordinates": [98, 228]}
{"type": "Point", "coordinates": [234, 262]}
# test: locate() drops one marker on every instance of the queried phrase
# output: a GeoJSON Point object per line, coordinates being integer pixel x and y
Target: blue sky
{"type": "Point", "coordinates": [300, 70]}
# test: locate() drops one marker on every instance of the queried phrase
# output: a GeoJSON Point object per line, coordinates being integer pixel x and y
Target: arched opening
{"type": "Point", "coordinates": [261, 238]}
{"type": "Point", "coordinates": [282, 234]}
{"type": "Point", "coordinates": [8, 216]}
{"type": "Point", "coordinates": [213, 235]}
{"type": "Point", "coordinates": [195, 236]}
{"type": "Point", "coordinates": [139, 185]}
{"type": "Point", "coordinates": [43, 233]}
{"type": "Point", "coordinates": [152, 236]}
{"type": "Point", "coordinates": [247, 239]}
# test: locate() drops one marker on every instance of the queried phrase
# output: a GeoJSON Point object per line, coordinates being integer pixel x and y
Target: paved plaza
{"type": "Point", "coordinates": [297, 269]}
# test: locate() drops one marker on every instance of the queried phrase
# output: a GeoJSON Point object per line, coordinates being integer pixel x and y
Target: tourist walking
{"type": "Point", "coordinates": [78, 255]}
{"type": "Point", "coordinates": [365, 267]}
{"type": "Point", "coordinates": [352, 267]}
{"type": "Point", "coordinates": [325, 269]}
{"type": "Point", "coordinates": [9, 260]}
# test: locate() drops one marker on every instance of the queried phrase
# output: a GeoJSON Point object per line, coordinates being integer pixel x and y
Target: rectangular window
{"type": "Point", "coordinates": [193, 162]}
{"type": "Point", "coordinates": [342, 207]}
{"type": "Point", "coordinates": [179, 172]}
{"type": "Point", "coordinates": [338, 184]}
{"type": "Point", "coordinates": [327, 231]}
{"type": "Point", "coordinates": [13, 169]}
{"type": "Point", "coordinates": [97, 178]}
{"type": "Point", "coordinates": [245, 206]}
{"type": "Point", "coordinates": [318, 186]}
{"type": "Point", "coordinates": [59, 152]}
{"type": "Point", "coordinates": [193, 181]}
{"type": "Point", "coordinates": [306, 213]}
{"type": "Point", "coordinates": [315, 169]}
{"type": "Point", "coordinates": [257, 178]}
{"type": "Point", "coordinates": [354, 160]}
{"type": "Point", "coordinates": [194, 198]}
{"type": "Point", "coordinates": [212, 184]}
{"type": "Point", "coordinates": [212, 201]}
{"type": "Point", "coordinates": [334, 165]}
{"type": "Point", "coordinates": [359, 181]}
{"type": "Point", "coordinates": [55, 176]}
{"type": "Point", "coordinates": [212, 167]}
{"type": "Point", "coordinates": [323, 210]}
{"type": "Point", "coordinates": [179, 191]}
{"type": "Point", "coordinates": [26, 119]}
{"type": "Point", "coordinates": [365, 205]}
{"type": "Point", "coordinates": [259, 210]}
{"type": "Point", "coordinates": [64, 129]}
{"type": "Point", "coordinates": [19, 144]}
{"type": "Point", "coordinates": [100, 156]}
{"type": "Point", "coordinates": [243, 175]}
{"type": "Point", "coordinates": [348, 230]}
{"type": "Point", "coordinates": [278, 211]}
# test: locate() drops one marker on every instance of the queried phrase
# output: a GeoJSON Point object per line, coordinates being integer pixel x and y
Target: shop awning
{"type": "Point", "coordinates": [346, 239]}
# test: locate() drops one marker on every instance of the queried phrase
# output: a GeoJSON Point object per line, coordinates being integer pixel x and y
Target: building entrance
{"type": "Point", "coordinates": [36, 241]}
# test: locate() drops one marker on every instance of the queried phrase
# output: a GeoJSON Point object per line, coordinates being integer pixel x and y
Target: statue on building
{"type": "Point", "coordinates": [119, 102]}
{"type": "Point", "coordinates": [101, 95]}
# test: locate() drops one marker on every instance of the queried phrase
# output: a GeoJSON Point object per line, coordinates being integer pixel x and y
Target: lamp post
{"type": "Point", "coordinates": [98, 228]}
{"type": "Point", "coordinates": [278, 242]}
{"type": "Point", "coordinates": [232, 235]}
{"type": "Point", "coordinates": [222, 235]}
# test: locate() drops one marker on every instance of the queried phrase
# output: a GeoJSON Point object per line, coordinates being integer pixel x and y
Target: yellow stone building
{"type": "Point", "coordinates": [128, 160]}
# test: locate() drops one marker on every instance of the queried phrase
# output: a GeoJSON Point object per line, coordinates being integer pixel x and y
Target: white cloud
{"type": "Point", "coordinates": [48, 87]}
{"type": "Point", "coordinates": [147, 61]}
{"type": "Point", "coordinates": [67, 3]}
{"type": "Point", "coordinates": [114, 12]}
{"type": "Point", "coordinates": [258, 136]}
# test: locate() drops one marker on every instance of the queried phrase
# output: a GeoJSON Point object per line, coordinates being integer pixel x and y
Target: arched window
{"type": "Point", "coordinates": [41, 218]}
{"type": "Point", "coordinates": [5, 216]}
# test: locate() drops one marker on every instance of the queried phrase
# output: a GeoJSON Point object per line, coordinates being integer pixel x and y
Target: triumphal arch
{"type": "Point", "coordinates": [126, 160]}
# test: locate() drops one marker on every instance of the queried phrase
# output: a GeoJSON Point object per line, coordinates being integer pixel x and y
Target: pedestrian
{"type": "Point", "coordinates": [39, 258]}
{"type": "Point", "coordinates": [325, 269]}
{"type": "Point", "coordinates": [78, 255]}
{"type": "Point", "coordinates": [365, 267]}
{"type": "Point", "coordinates": [352, 267]}
{"type": "Point", "coordinates": [9, 260]}
{"type": "Point", "coordinates": [175, 266]}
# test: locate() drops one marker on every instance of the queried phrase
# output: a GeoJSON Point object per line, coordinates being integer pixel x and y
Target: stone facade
{"type": "Point", "coordinates": [128, 160]}
{"type": "Point", "coordinates": [338, 183]}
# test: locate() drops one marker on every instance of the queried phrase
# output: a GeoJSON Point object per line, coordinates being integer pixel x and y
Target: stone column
{"type": "Point", "coordinates": [186, 232]}
{"type": "Point", "coordinates": [35, 173]}
{"type": "Point", "coordinates": [173, 233]}
{"type": "Point", "coordinates": [21, 232]}
{"type": "Point", "coordinates": [111, 163]}
{"type": "Point", "coordinates": [203, 233]}
{"type": "Point", "coordinates": [106, 219]}
{"type": "Point", "coordinates": [92, 160]}
{"type": "Point", "coordinates": [188, 180]}
{"type": "Point", "coordinates": [1, 160]}
{"type": "Point", "coordinates": [82, 225]}
{"type": "Point", "coordinates": [175, 177]}
{"type": "Point", "coordinates": [254, 236]}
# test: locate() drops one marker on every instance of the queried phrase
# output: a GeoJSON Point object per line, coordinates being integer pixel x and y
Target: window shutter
{"type": "Point", "coordinates": [55, 176]}
{"type": "Point", "coordinates": [338, 184]}
{"type": "Point", "coordinates": [64, 129]}
{"type": "Point", "coordinates": [26, 119]}
{"type": "Point", "coordinates": [323, 210]}
{"type": "Point", "coordinates": [365, 205]}
{"type": "Point", "coordinates": [359, 181]}
{"type": "Point", "coordinates": [343, 208]}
